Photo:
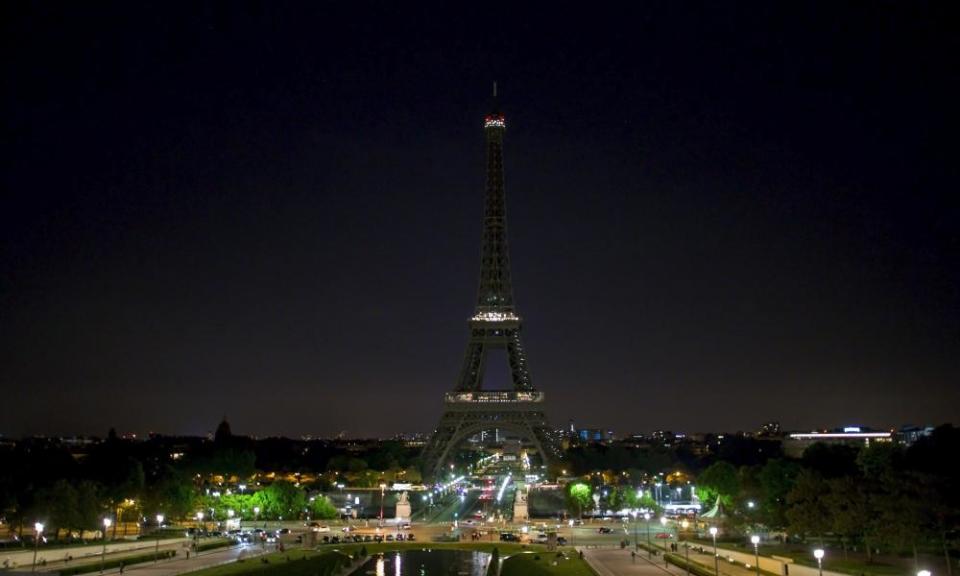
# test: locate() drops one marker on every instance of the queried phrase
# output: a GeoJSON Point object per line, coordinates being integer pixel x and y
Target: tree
{"type": "Point", "coordinates": [280, 499]}
{"type": "Point", "coordinates": [720, 479]}
{"type": "Point", "coordinates": [579, 494]}
{"type": "Point", "coordinates": [58, 504]}
{"type": "Point", "coordinates": [848, 509]}
{"type": "Point", "coordinates": [776, 479]}
{"type": "Point", "coordinates": [322, 507]}
{"type": "Point", "coordinates": [89, 505]}
{"type": "Point", "coordinates": [173, 495]}
{"type": "Point", "coordinates": [807, 513]}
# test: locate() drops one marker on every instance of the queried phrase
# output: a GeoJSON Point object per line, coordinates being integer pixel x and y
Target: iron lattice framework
{"type": "Point", "coordinates": [495, 325]}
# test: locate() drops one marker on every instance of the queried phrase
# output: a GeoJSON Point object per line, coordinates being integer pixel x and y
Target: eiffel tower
{"type": "Point", "coordinates": [469, 410]}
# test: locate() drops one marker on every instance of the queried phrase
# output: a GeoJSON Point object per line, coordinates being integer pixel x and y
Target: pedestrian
{"type": "Point", "coordinates": [633, 556]}
{"type": "Point", "coordinates": [121, 567]}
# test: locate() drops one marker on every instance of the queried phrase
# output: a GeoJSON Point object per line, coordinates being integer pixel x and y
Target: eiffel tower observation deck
{"type": "Point", "coordinates": [469, 409]}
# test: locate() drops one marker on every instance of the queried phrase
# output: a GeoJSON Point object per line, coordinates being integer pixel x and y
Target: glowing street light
{"type": "Point", "coordinates": [663, 522]}
{"type": "Point", "coordinates": [383, 487]}
{"type": "Point", "coordinates": [646, 517]}
{"type": "Point", "coordinates": [818, 554]}
{"type": "Point", "coordinates": [103, 554]}
{"type": "Point", "coordinates": [716, 558]}
{"type": "Point", "coordinates": [756, 550]}
{"type": "Point", "coordinates": [923, 573]}
{"type": "Point", "coordinates": [37, 533]}
{"type": "Point", "coordinates": [156, 551]}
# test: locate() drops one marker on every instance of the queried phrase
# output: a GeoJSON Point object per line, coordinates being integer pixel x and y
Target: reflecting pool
{"type": "Point", "coordinates": [425, 562]}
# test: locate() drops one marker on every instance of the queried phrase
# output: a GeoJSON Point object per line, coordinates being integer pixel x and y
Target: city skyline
{"type": "Point", "coordinates": [261, 222]}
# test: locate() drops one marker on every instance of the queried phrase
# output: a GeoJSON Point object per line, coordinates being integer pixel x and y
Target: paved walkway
{"type": "Point", "coordinates": [614, 561]}
{"type": "Point", "coordinates": [181, 564]}
{"type": "Point", "coordinates": [619, 562]}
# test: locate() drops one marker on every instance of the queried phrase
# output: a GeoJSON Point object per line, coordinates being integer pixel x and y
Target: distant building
{"type": "Point", "coordinates": [594, 435]}
{"type": "Point", "coordinates": [770, 430]}
{"type": "Point", "coordinates": [796, 443]}
{"type": "Point", "coordinates": [910, 434]}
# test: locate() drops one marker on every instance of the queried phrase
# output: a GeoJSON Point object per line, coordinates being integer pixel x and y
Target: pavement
{"type": "Point", "coordinates": [614, 561]}
{"type": "Point", "coordinates": [182, 565]}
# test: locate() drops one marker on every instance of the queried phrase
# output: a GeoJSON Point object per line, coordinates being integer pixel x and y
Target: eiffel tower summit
{"type": "Point", "coordinates": [470, 410]}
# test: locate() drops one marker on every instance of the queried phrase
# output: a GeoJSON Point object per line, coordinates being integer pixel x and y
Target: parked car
{"type": "Point", "coordinates": [606, 530]}
{"type": "Point", "coordinates": [410, 537]}
{"type": "Point", "coordinates": [509, 537]}
{"type": "Point", "coordinates": [561, 541]}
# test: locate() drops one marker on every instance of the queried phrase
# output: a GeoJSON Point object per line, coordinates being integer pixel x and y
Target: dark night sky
{"type": "Point", "coordinates": [720, 212]}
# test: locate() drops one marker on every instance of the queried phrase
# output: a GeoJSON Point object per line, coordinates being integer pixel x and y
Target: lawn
{"type": "Point", "coordinates": [546, 564]}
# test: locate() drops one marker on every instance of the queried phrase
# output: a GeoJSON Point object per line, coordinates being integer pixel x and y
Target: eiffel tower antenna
{"type": "Point", "coordinates": [470, 410]}
{"type": "Point", "coordinates": [494, 90]}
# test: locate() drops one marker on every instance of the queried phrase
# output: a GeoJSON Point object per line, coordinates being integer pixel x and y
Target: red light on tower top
{"type": "Point", "coordinates": [496, 120]}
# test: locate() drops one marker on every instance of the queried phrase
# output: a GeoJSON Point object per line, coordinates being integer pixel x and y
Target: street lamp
{"type": "Point", "coordinates": [383, 487]}
{"type": "Point", "coordinates": [646, 516]}
{"type": "Point", "coordinates": [103, 554]}
{"type": "Point", "coordinates": [818, 554]}
{"type": "Point", "coordinates": [716, 558]}
{"type": "Point", "coordinates": [156, 551]}
{"type": "Point", "coordinates": [37, 533]}
{"type": "Point", "coordinates": [923, 573]}
{"type": "Point", "coordinates": [196, 534]}
{"type": "Point", "coordinates": [636, 544]}
{"type": "Point", "coordinates": [663, 522]}
{"type": "Point", "coordinates": [756, 550]}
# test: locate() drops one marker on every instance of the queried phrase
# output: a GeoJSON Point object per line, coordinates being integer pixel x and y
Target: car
{"type": "Point", "coordinates": [283, 531]}
{"type": "Point", "coordinates": [561, 541]}
{"type": "Point", "coordinates": [378, 538]}
{"type": "Point", "coordinates": [541, 538]}
{"type": "Point", "coordinates": [405, 526]}
{"type": "Point", "coordinates": [335, 540]}
{"type": "Point", "coordinates": [410, 537]}
{"type": "Point", "coordinates": [664, 535]}
{"type": "Point", "coordinates": [346, 529]}
{"type": "Point", "coordinates": [509, 537]}
{"type": "Point", "coordinates": [389, 537]}
{"type": "Point", "coordinates": [604, 530]}
{"type": "Point", "coordinates": [323, 528]}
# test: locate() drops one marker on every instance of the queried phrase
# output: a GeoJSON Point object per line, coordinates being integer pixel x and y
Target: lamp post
{"type": "Point", "coordinates": [37, 533]}
{"type": "Point", "coordinates": [716, 558]}
{"type": "Point", "coordinates": [383, 487]}
{"type": "Point", "coordinates": [196, 534]}
{"type": "Point", "coordinates": [663, 523]}
{"type": "Point", "coordinates": [636, 544]}
{"type": "Point", "coordinates": [686, 546]}
{"type": "Point", "coordinates": [756, 550]}
{"type": "Point", "coordinates": [646, 516]}
{"type": "Point", "coordinates": [156, 551]}
{"type": "Point", "coordinates": [923, 573]}
{"type": "Point", "coordinates": [818, 554]}
{"type": "Point", "coordinates": [103, 554]}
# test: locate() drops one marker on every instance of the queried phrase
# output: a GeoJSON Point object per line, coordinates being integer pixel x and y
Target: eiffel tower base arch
{"type": "Point", "coordinates": [468, 414]}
